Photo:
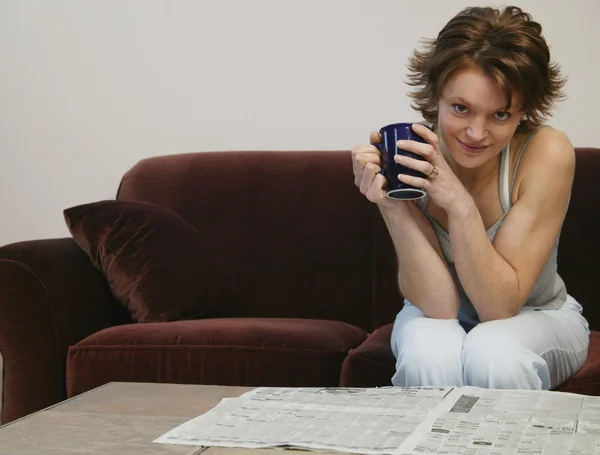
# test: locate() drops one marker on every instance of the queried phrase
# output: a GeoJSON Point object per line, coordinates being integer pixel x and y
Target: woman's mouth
{"type": "Point", "coordinates": [472, 148]}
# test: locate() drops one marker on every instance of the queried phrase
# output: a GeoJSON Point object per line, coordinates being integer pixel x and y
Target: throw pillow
{"type": "Point", "coordinates": [156, 263]}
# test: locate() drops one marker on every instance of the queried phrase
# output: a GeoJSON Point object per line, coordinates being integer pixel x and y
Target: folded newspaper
{"type": "Point", "coordinates": [400, 421]}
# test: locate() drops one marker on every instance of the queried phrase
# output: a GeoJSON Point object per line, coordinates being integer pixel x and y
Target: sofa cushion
{"type": "Point", "coordinates": [156, 263]}
{"type": "Point", "coordinates": [587, 380]}
{"type": "Point", "coordinates": [291, 226]}
{"type": "Point", "coordinates": [228, 351]}
{"type": "Point", "coordinates": [372, 364]}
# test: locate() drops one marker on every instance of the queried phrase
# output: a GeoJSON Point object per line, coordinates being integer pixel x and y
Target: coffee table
{"type": "Point", "coordinates": [118, 418]}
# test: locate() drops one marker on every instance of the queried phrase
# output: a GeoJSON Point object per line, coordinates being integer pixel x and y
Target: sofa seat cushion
{"type": "Point", "coordinates": [372, 364]}
{"type": "Point", "coordinates": [587, 380]}
{"type": "Point", "coordinates": [227, 351]}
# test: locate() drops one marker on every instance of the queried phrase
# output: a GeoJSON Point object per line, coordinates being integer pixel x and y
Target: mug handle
{"type": "Point", "coordinates": [379, 147]}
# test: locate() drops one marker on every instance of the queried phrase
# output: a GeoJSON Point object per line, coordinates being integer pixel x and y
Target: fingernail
{"type": "Point", "coordinates": [401, 143]}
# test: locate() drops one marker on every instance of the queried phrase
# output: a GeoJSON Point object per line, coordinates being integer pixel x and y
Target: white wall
{"type": "Point", "coordinates": [87, 88]}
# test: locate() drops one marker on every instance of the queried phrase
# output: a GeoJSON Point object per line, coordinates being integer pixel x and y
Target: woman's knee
{"type": "Point", "coordinates": [492, 359]}
{"type": "Point", "coordinates": [428, 353]}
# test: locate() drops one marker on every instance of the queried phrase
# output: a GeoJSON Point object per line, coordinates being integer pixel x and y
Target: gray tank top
{"type": "Point", "coordinates": [549, 291]}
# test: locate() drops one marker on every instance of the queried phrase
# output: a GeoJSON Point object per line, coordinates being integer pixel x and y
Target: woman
{"type": "Point", "coordinates": [477, 256]}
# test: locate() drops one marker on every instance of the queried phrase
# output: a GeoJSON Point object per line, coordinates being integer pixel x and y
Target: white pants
{"type": "Point", "coordinates": [535, 350]}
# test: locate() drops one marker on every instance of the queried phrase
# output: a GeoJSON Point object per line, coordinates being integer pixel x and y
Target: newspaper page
{"type": "Point", "coordinates": [485, 421]}
{"type": "Point", "coordinates": [372, 421]}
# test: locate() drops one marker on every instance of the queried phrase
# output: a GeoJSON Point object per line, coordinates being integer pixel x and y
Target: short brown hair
{"type": "Point", "coordinates": [507, 45]}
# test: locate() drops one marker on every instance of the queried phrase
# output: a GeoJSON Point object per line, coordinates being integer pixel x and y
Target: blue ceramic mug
{"type": "Point", "coordinates": [390, 135]}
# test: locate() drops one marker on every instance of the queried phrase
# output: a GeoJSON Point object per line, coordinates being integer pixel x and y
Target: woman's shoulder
{"type": "Point", "coordinates": [545, 146]}
{"type": "Point", "coordinates": [544, 141]}
{"type": "Point", "coordinates": [544, 151]}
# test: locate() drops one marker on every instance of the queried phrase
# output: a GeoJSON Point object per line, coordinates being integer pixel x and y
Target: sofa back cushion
{"type": "Point", "coordinates": [579, 247]}
{"type": "Point", "coordinates": [292, 228]}
{"type": "Point", "coordinates": [302, 241]}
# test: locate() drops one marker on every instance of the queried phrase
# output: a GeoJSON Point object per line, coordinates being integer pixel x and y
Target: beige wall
{"type": "Point", "coordinates": [87, 88]}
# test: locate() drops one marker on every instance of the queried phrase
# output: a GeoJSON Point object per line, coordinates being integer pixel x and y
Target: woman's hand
{"type": "Point", "coordinates": [366, 165]}
{"type": "Point", "coordinates": [441, 185]}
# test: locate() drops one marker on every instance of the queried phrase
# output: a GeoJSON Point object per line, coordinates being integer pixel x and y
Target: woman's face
{"type": "Point", "coordinates": [472, 120]}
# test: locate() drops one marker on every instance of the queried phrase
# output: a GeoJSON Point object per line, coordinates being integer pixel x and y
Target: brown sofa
{"type": "Point", "coordinates": [313, 263]}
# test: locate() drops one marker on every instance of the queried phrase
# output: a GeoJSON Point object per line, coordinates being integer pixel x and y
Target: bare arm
{"type": "Point", "coordinates": [423, 276]}
{"type": "Point", "coordinates": [499, 277]}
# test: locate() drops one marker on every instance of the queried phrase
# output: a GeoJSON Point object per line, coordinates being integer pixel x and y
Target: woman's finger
{"type": "Point", "coordinates": [377, 189]}
{"type": "Point", "coordinates": [369, 174]}
{"type": "Point", "coordinates": [427, 134]}
{"type": "Point", "coordinates": [375, 138]}
{"type": "Point", "coordinates": [427, 151]}
{"type": "Point", "coordinates": [359, 163]}
{"type": "Point", "coordinates": [417, 182]}
{"type": "Point", "coordinates": [424, 167]}
{"type": "Point", "coordinates": [361, 154]}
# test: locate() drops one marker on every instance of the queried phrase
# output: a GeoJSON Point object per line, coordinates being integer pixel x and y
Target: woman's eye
{"type": "Point", "coordinates": [503, 115]}
{"type": "Point", "coordinates": [460, 108]}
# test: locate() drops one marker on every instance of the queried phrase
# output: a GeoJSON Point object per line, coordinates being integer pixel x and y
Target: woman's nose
{"type": "Point", "coordinates": [477, 131]}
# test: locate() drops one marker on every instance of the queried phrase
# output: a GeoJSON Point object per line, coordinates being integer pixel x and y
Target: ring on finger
{"type": "Point", "coordinates": [433, 173]}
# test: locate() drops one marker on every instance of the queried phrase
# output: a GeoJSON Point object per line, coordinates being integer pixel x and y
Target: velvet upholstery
{"type": "Point", "coordinates": [371, 363]}
{"type": "Point", "coordinates": [301, 244]}
{"type": "Point", "coordinates": [51, 297]}
{"type": "Point", "coordinates": [228, 351]}
{"type": "Point", "coordinates": [287, 225]}
{"type": "Point", "coordinates": [156, 264]}
{"type": "Point", "coordinates": [579, 247]}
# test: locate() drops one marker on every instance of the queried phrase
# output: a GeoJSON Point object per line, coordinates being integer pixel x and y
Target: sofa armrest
{"type": "Point", "coordinates": [50, 298]}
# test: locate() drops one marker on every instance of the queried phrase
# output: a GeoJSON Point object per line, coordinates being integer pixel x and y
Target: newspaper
{"type": "Point", "coordinates": [486, 421]}
{"type": "Point", "coordinates": [400, 421]}
{"type": "Point", "coordinates": [372, 421]}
